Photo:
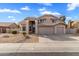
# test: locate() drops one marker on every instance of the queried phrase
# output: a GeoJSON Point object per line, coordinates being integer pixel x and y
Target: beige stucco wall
{"type": "Point", "coordinates": [48, 19]}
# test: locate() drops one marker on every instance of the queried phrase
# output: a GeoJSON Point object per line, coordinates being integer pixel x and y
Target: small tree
{"type": "Point", "coordinates": [62, 18]}
{"type": "Point", "coordinates": [25, 35]}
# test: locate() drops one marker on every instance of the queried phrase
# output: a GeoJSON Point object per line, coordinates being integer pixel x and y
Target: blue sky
{"type": "Point", "coordinates": [15, 12]}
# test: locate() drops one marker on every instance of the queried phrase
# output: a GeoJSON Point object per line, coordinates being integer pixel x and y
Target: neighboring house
{"type": "Point", "coordinates": [70, 24]}
{"type": "Point", "coordinates": [73, 26]}
{"type": "Point", "coordinates": [46, 24]}
{"type": "Point", "coordinates": [6, 27]}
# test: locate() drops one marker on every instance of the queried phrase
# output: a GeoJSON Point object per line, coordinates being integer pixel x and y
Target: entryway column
{"type": "Point", "coordinates": [64, 30]}
{"type": "Point", "coordinates": [1, 30]}
{"type": "Point", "coordinates": [55, 30]}
{"type": "Point", "coordinates": [36, 27]}
{"type": "Point", "coordinates": [27, 26]}
{"type": "Point", "coordinates": [20, 27]}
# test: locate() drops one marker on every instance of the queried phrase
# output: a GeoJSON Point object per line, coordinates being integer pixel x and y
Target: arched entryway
{"type": "Point", "coordinates": [31, 27]}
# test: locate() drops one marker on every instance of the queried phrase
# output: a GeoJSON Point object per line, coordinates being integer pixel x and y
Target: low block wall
{"type": "Point", "coordinates": [71, 31]}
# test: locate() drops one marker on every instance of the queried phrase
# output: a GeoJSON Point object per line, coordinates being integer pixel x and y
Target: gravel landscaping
{"type": "Point", "coordinates": [17, 38]}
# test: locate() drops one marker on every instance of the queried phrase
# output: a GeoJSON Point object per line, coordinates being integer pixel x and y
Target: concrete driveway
{"type": "Point", "coordinates": [65, 37]}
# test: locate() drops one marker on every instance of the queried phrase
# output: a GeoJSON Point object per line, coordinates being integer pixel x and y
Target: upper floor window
{"type": "Point", "coordinates": [52, 20]}
{"type": "Point", "coordinates": [42, 20]}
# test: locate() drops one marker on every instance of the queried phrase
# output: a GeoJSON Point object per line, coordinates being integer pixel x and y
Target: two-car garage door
{"type": "Point", "coordinates": [46, 30]}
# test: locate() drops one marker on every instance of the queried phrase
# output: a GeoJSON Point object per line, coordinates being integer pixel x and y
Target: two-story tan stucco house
{"type": "Point", "coordinates": [45, 24]}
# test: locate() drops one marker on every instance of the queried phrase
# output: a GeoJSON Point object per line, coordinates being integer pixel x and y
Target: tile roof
{"type": "Point", "coordinates": [5, 23]}
{"type": "Point", "coordinates": [48, 15]}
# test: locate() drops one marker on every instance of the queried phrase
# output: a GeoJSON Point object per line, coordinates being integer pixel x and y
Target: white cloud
{"type": "Point", "coordinates": [68, 18]}
{"type": "Point", "coordinates": [42, 9]}
{"type": "Point", "coordinates": [56, 13]}
{"type": "Point", "coordinates": [25, 8]}
{"type": "Point", "coordinates": [50, 12]}
{"type": "Point", "coordinates": [46, 12]}
{"type": "Point", "coordinates": [11, 17]}
{"type": "Point", "coordinates": [47, 4]}
{"type": "Point", "coordinates": [9, 10]}
{"type": "Point", "coordinates": [72, 6]}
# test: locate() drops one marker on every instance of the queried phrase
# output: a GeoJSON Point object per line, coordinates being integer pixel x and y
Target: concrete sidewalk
{"type": "Point", "coordinates": [55, 46]}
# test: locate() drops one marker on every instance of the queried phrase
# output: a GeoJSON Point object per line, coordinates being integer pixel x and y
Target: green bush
{"type": "Point", "coordinates": [14, 32]}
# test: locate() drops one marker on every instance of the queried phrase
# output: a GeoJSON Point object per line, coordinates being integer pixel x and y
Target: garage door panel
{"type": "Point", "coordinates": [46, 30]}
{"type": "Point", "coordinates": [60, 30]}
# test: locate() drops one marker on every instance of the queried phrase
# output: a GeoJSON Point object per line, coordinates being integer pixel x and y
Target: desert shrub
{"type": "Point", "coordinates": [77, 30]}
{"type": "Point", "coordinates": [14, 32]}
{"type": "Point", "coordinates": [24, 33]}
{"type": "Point", "coordinates": [6, 36]}
{"type": "Point", "coordinates": [27, 37]}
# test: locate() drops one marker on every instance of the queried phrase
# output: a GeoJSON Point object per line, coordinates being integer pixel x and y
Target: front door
{"type": "Point", "coordinates": [31, 27]}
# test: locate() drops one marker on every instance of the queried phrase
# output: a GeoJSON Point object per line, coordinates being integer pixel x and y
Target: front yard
{"type": "Point", "coordinates": [17, 38]}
